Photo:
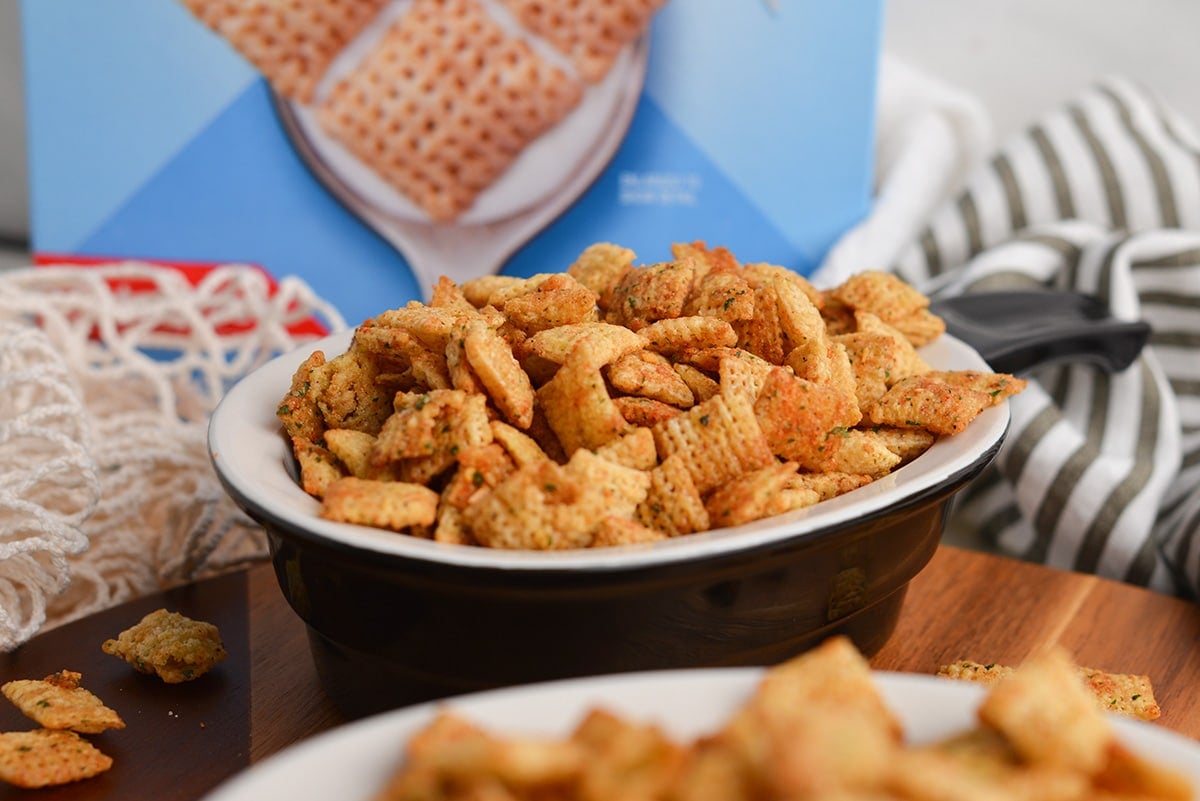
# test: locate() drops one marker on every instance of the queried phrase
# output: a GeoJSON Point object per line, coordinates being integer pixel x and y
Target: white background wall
{"type": "Point", "coordinates": [1020, 57]}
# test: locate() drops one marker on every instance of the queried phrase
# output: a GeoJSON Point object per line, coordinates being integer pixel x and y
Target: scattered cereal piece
{"type": "Point", "coordinates": [58, 702]}
{"type": "Point", "coordinates": [169, 645]}
{"type": "Point", "coordinates": [48, 757]}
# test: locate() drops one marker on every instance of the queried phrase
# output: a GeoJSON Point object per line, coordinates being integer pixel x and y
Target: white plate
{"type": "Point", "coordinates": [354, 761]}
{"type": "Point", "coordinates": [253, 459]}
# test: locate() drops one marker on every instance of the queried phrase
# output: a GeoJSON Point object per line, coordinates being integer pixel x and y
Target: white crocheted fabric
{"type": "Point", "coordinates": [107, 378]}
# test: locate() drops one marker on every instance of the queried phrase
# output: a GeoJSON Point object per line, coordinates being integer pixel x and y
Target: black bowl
{"type": "Point", "coordinates": [394, 619]}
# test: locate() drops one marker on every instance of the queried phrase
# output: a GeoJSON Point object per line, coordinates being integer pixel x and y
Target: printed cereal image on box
{"type": "Point", "coordinates": [370, 146]}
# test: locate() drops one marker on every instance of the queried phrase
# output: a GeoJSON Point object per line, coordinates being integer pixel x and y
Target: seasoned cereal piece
{"type": "Point", "coordinates": [751, 496]}
{"type": "Point", "coordinates": [702, 386]}
{"type": "Point", "coordinates": [58, 702]}
{"type": "Point", "coordinates": [1123, 693]}
{"type": "Point", "coordinates": [319, 467]}
{"type": "Point", "coordinates": [718, 440]}
{"type": "Point", "coordinates": [600, 268]}
{"type": "Point", "coordinates": [921, 327]}
{"type": "Point", "coordinates": [169, 645]}
{"type": "Point", "coordinates": [498, 370]}
{"type": "Point", "coordinates": [883, 294]}
{"type": "Point", "coordinates": [853, 451]}
{"type": "Point", "coordinates": [800, 318]}
{"type": "Point", "coordinates": [721, 294]}
{"type": "Point", "coordinates": [743, 375]}
{"type": "Point", "coordinates": [480, 468]}
{"type": "Point", "coordinates": [480, 291]}
{"type": "Point", "coordinates": [707, 260]}
{"type": "Point", "coordinates": [576, 402]}
{"type": "Point", "coordinates": [796, 415]}
{"type": "Point", "coordinates": [645, 412]}
{"type": "Point", "coordinates": [673, 505]}
{"type": "Point", "coordinates": [1048, 715]}
{"type": "Point", "coordinates": [394, 505]}
{"type": "Point", "coordinates": [650, 375]}
{"type": "Point", "coordinates": [522, 448]}
{"type": "Point", "coordinates": [449, 295]}
{"type": "Point", "coordinates": [829, 485]}
{"type": "Point", "coordinates": [997, 386]}
{"type": "Point", "coordinates": [874, 360]}
{"type": "Point", "coordinates": [349, 395]}
{"type": "Point", "coordinates": [928, 403]}
{"type": "Point", "coordinates": [438, 423]}
{"type": "Point", "coordinates": [614, 531]}
{"type": "Point", "coordinates": [655, 292]}
{"type": "Point", "coordinates": [626, 759]}
{"type": "Point", "coordinates": [532, 509]}
{"type": "Point", "coordinates": [458, 367]}
{"type": "Point", "coordinates": [635, 449]}
{"type": "Point", "coordinates": [298, 410]}
{"type": "Point", "coordinates": [682, 334]}
{"type": "Point", "coordinates": [907, 361]}
{"type": "Point", "coordinates": [48, 757]}
{"type": "Point", "coordinates": [612, 341]}
{"type": "Point", "coordinates": [762, 334]}
{"type": "Point", "coordinates": [622, 488]}
{"type": "Point", "coordinates": [560, 300]}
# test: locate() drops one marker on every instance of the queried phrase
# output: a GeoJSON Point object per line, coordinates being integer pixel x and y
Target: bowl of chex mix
{"type": "Point", "coordinates": [617, 467]}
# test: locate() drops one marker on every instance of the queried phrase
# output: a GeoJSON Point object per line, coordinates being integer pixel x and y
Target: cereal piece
{"type": "Point", "coordinates": [617, 531]}
{"type": "Point", "coordinates": [451, 528]}
{"type": "Point", "coordinates": [448, 295]}
{"type": "Point", "coordinates": [591, 34]}
{"type": "Point", "coordinates": [348, 395]}
{"type": "Point", "coordinates": [751, 496]}
{"type": "Point", "coordinates": [526, 511]}
{"type": "Point", "coordinates": [318, 466]}
{"type": "Point", "coordinates": [352, 449]}
{"type": "Point", "coordinates": [1123, 693]}
{"type": "Point", "coordinates": [673, 505]}
{"type": "Point", "coordinates": [800, 318]}
{"type": "Point", "coordinates": [997, 386]}
{"type": "Point", "coordinates": [929, 403]}
{"type": "Point", "coordinates": [523, 448]}
{"type": "Point", "coordinates": [395, 505]}
{"type": "Point", "coordinates": [167, 644]}
{"type": "Point", "coordinates": [390, 341]}
{"type": "Point", "coordinates": [701, 385]}
{"type": "Point", "coordinates": [498, 370]}
{"type": "Point", "coordinates": [759, 273]}
{"type": "Point", "coordinates": [1047, 714]}
{"type": "Point", "coordinates": [291, 42]}
{"type": "Point", "coordinates": [458, 366]}
{"type": "Point", "coordinates": [829, 485]}
{"type": "Point", "coordinates": [921, 327]}
{"type": "Point", "coordinates": [298, 410]}
{"type": "Point", "coordinates": [721, 294]}
{"type": "Point", "coordinates": [480, 468]}
{"type": "Point", "coordinates": [622, 488]}
{"type": "Point", "coordinates": [718, 440]}
{"type": "Point", "coordinates": [479, 291]}
{"type": "Point", "coordinates": [873, 358]}
{"type": "Point", "coordinates": [554, 344]}
{"type": "Point", "coordinates": [907, 443]}
{"type": "Point", "coordinates": [625, 759]}
{"type": "Point", "coordinates": [852, 451]}
{"type": "Point", "coordinates": [650, 375]}
{"type": "Point", "coordinates": [600, 267]}
{"type": "Point", "coordinates": [635, 449]}
{"type": "Point", "coordinates": [432, 425]}
{"type": "Point", "coordinates": [431, 326]}
{"type": "Point", "coordinates": [560, 300]}
{"type": "Point", "coordinates": [576, 402]}
{"type": "Point", "coordinates": [882, 294]}
{"type": "Point", "coordinates": [796, 415]}
{"type": "Point", "coordinates": [743, 375]}
{"type": "Point", "coordinates": [445, 102]}
{"type": "Point", "coordinates": [58, 702]}
{"type": "Point", "coordinates": [762, 334]}
{"type": "Point", "coordinates": [48, 757]}
{"type": "Point", "coordinates": [680, 334]}
{"type": "Point", "coordinates": [907, 361]}
{"type": "Point", "coordinates": [654, 292]}
{"type": "Point", "coordinates": [644, 412]}
{"type": "Point", "coordinates": [707, 260]}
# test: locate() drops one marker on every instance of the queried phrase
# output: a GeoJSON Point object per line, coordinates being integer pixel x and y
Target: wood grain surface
{"type": "Point", "coordinates": [183, 740]}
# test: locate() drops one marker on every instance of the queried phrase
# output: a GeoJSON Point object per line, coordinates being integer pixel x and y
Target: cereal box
{"type": "Point", "coordinates": [369, 146]}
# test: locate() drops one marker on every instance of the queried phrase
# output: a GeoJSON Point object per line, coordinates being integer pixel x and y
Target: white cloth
{"type": "Point", "coordinates": [1100, 473]}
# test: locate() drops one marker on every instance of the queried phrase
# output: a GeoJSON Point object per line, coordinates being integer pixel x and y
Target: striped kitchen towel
{"type": "Point", "coordinates": [1100, 472]}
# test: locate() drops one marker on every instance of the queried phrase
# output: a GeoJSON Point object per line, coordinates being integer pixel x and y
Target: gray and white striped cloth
{"type": "Point", "coordinates": [1100, 472]}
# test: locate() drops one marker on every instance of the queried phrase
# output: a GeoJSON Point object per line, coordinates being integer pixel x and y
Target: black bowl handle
{"type": "Point", "coordinates": [1018, 331]}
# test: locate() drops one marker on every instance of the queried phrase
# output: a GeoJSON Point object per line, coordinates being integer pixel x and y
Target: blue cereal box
{"type": "Point", "coordinates": [370, 146]}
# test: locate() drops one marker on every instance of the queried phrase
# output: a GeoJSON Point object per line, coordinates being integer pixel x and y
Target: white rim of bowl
{"type": "Point", "coordinates": [252, 458]}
